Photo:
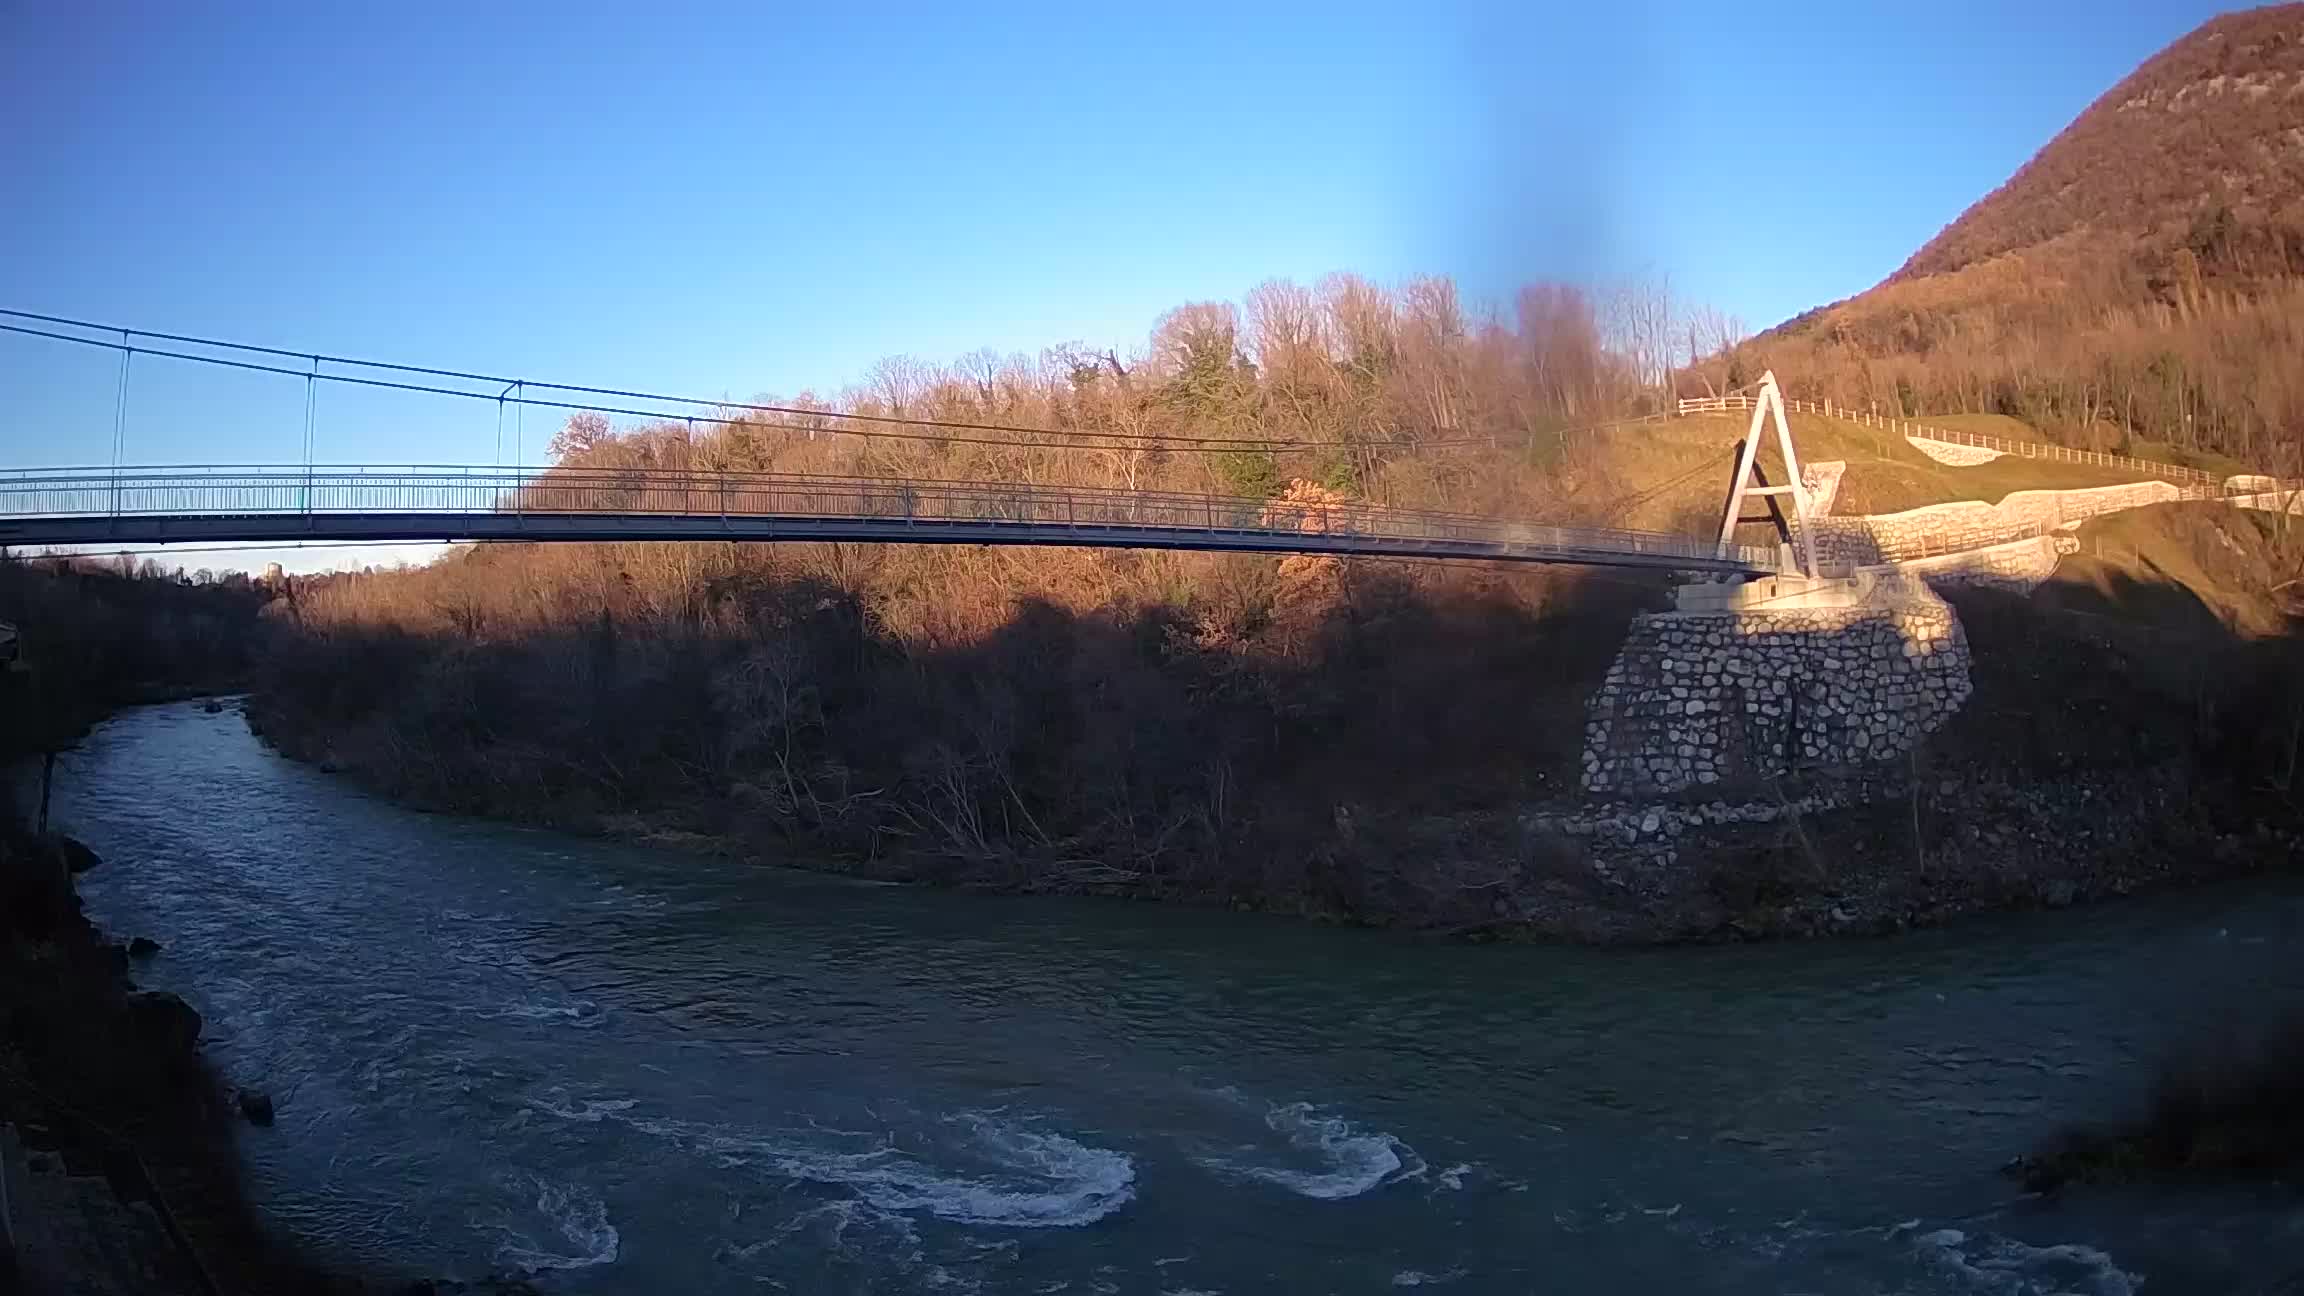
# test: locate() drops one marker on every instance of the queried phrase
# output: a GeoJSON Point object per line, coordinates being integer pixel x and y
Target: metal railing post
{"type": "Point", "coordinates": [120, 420]}
{"type": "Point", "coordinates": [311, 394]}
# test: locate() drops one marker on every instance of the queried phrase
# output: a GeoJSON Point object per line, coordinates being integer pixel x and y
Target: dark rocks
{"type": "Point", "coordinates": [2036, 1174]}
{"type": "Point", "coordinates": [143, 947]}
{"type": "Point", "coordinates": [491, 1286]}
{"type": "Point", "coordinates": [76, 856]}
{"type": "Point", "coordinates": [169, 1022]}
{"type": "Point", "coordinates": [256, 1105]}
{"type": "Point", "coordinates": [213, 707]}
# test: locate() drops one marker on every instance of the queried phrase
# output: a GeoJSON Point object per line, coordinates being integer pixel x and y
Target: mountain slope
{"type": "Point", "coordinates": [2141, 277]}
{"type": "Point", "coordinates": [2202, 146]}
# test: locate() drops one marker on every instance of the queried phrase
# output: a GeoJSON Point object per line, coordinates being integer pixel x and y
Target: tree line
{"type": "Point", "coordinates": [1359, 388]}
{"type": "Point", "coordinates": [1227, 726]}
{"type": "Point", "coordinates": [96, 633]}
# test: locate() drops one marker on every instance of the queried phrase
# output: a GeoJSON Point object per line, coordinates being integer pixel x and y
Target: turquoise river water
{"type": "Point", "coordinates": [638, 1070]}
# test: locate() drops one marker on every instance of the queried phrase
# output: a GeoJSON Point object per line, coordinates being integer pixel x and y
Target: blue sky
{"type": "Point", "coordinates": [743, 198]}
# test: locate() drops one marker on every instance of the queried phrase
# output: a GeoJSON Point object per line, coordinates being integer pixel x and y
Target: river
{"type": "Point", "coordinates": [641, 1070]}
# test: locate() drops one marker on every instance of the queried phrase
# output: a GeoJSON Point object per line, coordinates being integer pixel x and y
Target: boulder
{"type": "Point", "coordinates": [76, 856]}
{"type": "Point", "coordinates": [164, 1019]}
{"type": "Point", "coordinates": [256, 1105]}
{"type": "Point", "coordinates": [142, 947]}
{"type": "Point", "coordinates": [213, 707]}
{"type": "Point", "coordinates": [493, 1285]}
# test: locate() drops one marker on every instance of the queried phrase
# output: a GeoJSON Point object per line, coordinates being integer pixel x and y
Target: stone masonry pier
{"type": "Point", "coordinates": [1746, 683]}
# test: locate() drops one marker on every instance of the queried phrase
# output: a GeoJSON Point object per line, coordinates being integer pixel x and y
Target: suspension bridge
{"type": "Point", "coordinates": [293, 505]}
{"type": "Point", "coordinates": [120, 504]}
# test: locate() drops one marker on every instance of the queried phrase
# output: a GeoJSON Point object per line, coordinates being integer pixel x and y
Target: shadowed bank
{"type": "Point", "coordinates": [1362, 742]}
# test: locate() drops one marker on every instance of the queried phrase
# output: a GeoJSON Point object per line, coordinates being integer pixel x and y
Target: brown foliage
{"type": "Point", "coordinates": [2198, 145]}
{"type": "Point", "coordinates": [2142, 277]}
{"type": "Point", "coordinates": [1162, 722]}
{"type": "Point", "coordinates": [1046, 718]}
{"type": "Point", "coordinates": [1395, 397]}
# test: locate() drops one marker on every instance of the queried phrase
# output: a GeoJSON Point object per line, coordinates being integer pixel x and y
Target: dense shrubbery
{"type": "Point", "coordinates": [2228, 1108]}
{"type": "Point", "coordinates": [97, 634]}
{"type": "Point", "coordinates": [1209, 725]}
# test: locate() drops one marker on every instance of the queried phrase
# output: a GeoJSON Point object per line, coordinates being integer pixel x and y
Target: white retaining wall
{"type": "Point", "coordinates": [2274, 501]}
{"type": "Point", "coordinates": [1972, 524]}
{"type": "Point", "coordinates": [1954, 453]}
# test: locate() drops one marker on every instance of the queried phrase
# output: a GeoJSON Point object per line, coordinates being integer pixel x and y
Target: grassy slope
{"type": "Point", "coordinates": [1673, 476]}
{"type": "Point", "coordinates": [2198, 570]}
{"type": "Point", "coordinates": [2000, 425]}
{"type": "Point", "coordinates": [2192, 567]}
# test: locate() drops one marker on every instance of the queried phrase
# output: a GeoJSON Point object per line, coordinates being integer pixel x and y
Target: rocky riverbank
{"type": "Point", "coordinates": [1867, 855]}
{"type": "Point", "coordinates": [116, 1139]}
{"type": "Point", "coordinates": [1852, 852]}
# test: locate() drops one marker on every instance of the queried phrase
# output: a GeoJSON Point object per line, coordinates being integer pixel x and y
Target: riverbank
{"type": "Point", "coordinates": [122, 1172]}
{"type": "Point", "coordinates": [1853, 854]}
{"type": "Point", "coordinates": [1369, 747]}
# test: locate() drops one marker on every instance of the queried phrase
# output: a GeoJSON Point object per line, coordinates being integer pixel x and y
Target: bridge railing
{"type": "Point", "coordinates": [323, 490]}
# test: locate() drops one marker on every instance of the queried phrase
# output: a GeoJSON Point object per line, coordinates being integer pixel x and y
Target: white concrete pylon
{"type": "Point", "coordinates": [1798, 533]}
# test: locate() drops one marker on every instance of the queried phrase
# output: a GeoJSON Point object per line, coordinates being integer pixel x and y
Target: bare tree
{"type": "Point", "coordinates": [899, 382]}
{"type": "Point", "coordinates": [1288, 342]}
{"type": "Point", "coordinates": [1432, 353]}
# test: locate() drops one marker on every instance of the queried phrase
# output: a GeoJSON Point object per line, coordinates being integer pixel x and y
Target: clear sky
{"type": "Point", "coordinates": [741, 198]}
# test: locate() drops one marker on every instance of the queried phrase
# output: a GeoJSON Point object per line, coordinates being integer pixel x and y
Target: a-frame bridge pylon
{"type": "Point", "coordinates": [1796, 535]}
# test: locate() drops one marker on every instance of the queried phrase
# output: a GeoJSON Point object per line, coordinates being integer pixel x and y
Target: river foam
{"type": "Point", "coordinates": [992, 1172]}
{"type": "Point", "coordinates": [591, 1110]}
{"type": "Point", "coordinates": [1064, 1182]}
{"type": "Point", "coordinates": [583, 1013]}
{"type": "Point", "coordinates": [2006, 1267]}
{"type": "Point", "coordinates": [966, 1168]}
{"type": "Point", "coordinates": [1350, 1161]}
{"type": "Point", "coordinates": [572, 1211]}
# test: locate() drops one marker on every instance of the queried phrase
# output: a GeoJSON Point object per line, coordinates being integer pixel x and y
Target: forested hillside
{"type": "Point", "coordinates": [2142, 277]}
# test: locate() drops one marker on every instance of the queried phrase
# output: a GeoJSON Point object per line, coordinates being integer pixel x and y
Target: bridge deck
{"type": "Point", "coordinates": [287, 505]}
